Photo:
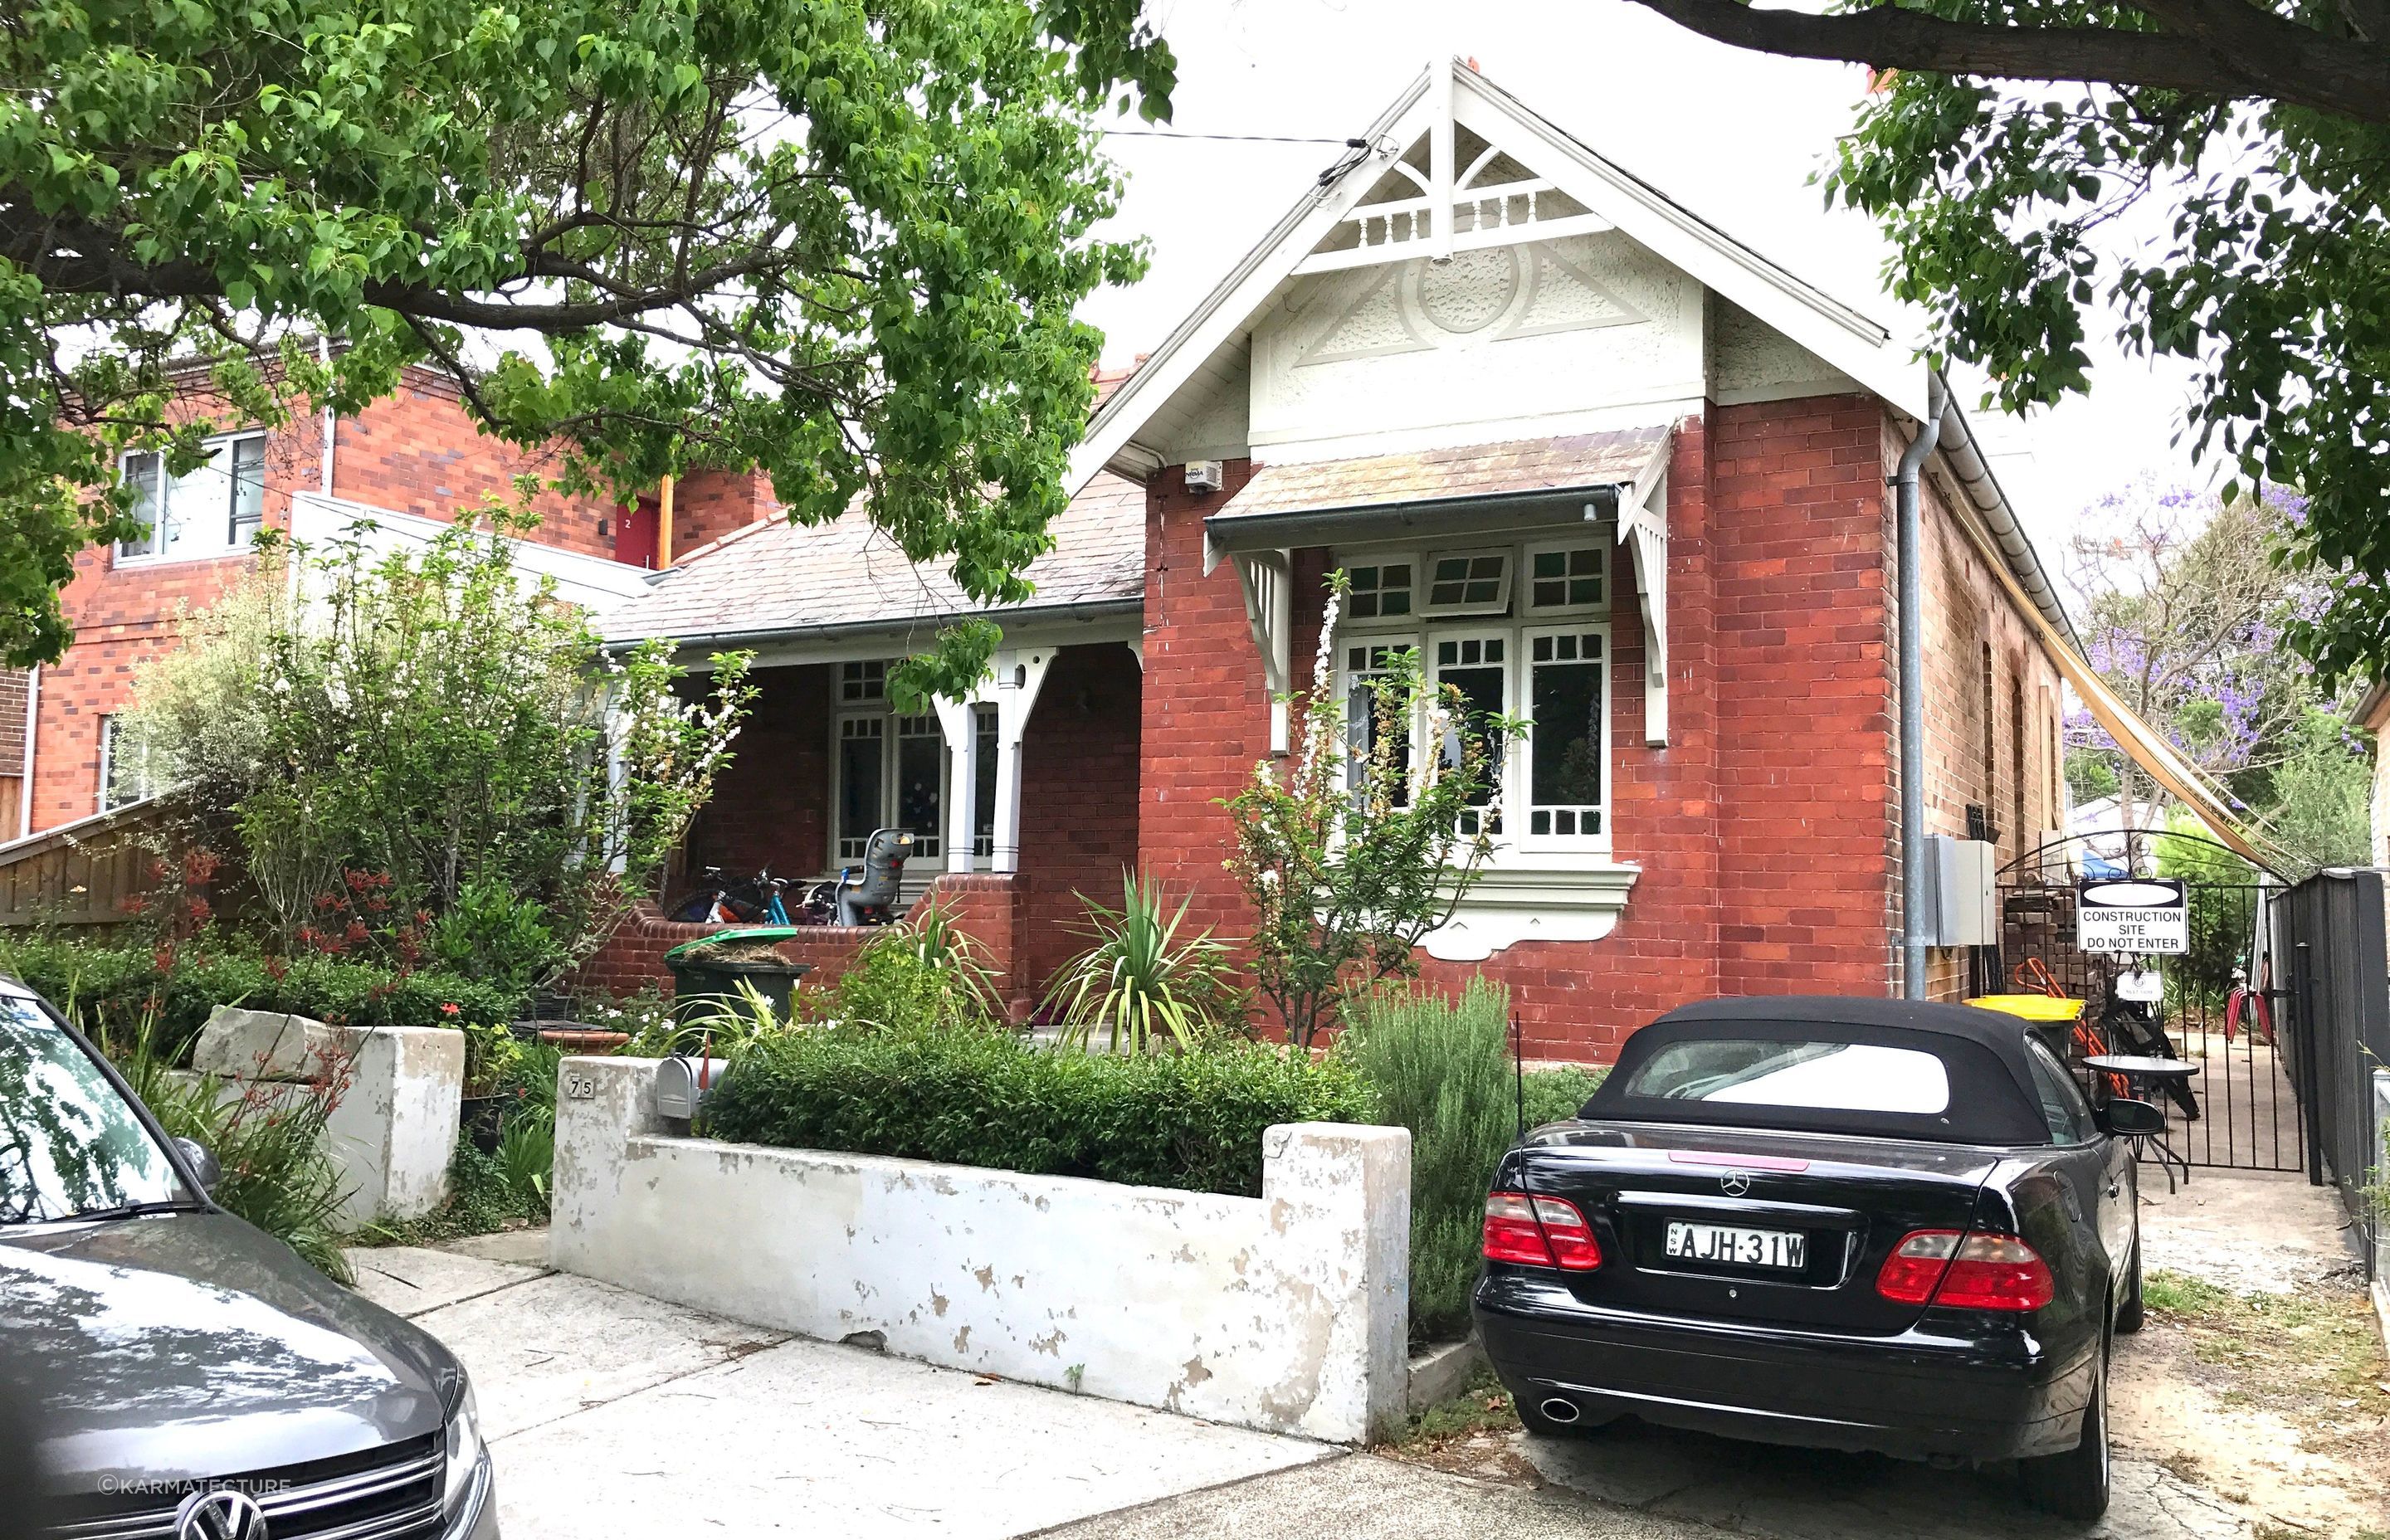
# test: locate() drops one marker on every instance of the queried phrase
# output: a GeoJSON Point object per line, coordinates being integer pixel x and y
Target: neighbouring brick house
{"type": "Point", "coordinates": [1603, 465]}
{"type": "Point", "coordinates": [411, 463]}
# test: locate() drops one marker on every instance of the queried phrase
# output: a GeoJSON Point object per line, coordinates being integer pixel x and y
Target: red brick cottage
{"type": "Point", "coordinates": [1603, 465]}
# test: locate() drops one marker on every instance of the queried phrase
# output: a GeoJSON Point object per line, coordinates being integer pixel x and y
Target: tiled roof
{"type": "Point", "coordinates": [776, 576]}
{"type": "Point", "coordinates": [1521, 467]}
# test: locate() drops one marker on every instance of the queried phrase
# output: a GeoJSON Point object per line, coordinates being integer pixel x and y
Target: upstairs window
{"type": "Point", "coordinates": [215, 509]}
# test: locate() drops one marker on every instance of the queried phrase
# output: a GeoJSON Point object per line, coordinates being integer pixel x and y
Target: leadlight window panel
{"type": "Point", "coordinates": [984, 779]}
{"type": "Point", "coordinates": [862, 772]}
{"type": "Point", "coordinates": [1468, 583]}
{"type": "Point", "coordinates": [921, 768]}
{"type": "Point", "coordinates": [863, 681]}
{"type": "Point", "coordinates": [1364, 666]}
{"type": "Point", "coordinates": [1381, 591]}
{"type": "Point", "coordinates": [1567, 577]}
{"type": "Point", "coordinates": [1568, 701]}
{"type": "Point", "coordinates": [1479, 667]}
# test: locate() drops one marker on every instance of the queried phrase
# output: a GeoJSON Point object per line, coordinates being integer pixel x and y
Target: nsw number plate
{"type": "Point", "coordinates": [1691, 1243]}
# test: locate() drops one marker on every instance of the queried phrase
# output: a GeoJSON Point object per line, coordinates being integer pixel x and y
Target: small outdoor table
{"type": "Point", "coordinates": [2139, 1071]}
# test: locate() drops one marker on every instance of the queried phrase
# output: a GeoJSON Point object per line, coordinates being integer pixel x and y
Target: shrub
{"type": "Point", "coordinates": [114, 989]}
{"type": "Point", "coordinates": [1192, 1121]}
{"type": "Point", "coordinates": [1553, 1096]}
{"type": "Point", "coordinates": [1441, 1070]}
{"type": "Point", "coordinates": [1140, 980]}
{"type": "Point", "coordinates": [904, 980]}
{"type": "Point", "coordinates": [268, 1138]}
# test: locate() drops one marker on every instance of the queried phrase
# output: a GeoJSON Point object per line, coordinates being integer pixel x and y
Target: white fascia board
{"type": "Point", "coordinates": [1850, 340]}
{"type": "Point", "coordinates": [1231, 306]}
{"type": "Point", "coordinates": [593, 583]}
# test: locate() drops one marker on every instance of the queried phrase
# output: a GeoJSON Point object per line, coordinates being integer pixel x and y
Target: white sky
{"type": "Point", "coordinates": [1731, 134]}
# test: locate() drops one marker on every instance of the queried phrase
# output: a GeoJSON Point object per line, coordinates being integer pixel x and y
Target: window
{"type": "Point", "coordinates": [862, 781]}
{"type": "Point", "coordinates": [895, 772]}
{"type": "Point", "coordinates": [1468, 583]}
{"type": "Point", "coordinates": [1566, 701]}
{"type": "Point", "coordinates": [1842, 1077]}
{"type": "Point", "coordinates": [1364, 666]}
{"type": "Point", "coordinates": [2062, 1107]}
{"type": "Point", "coordinates": [214, 509]}
{"type": "Point", "coordinates": [1552, 786]}
{"type": "Point", "coordinates": [1565, 577]}
{"type": "Point", "coordinates": [123, 764]}
{"type": "Point", "coordinates": [1479, 667]}
{"type": "Point", "coordinates": [866, 681]}
{"type": "Point", "coordinates": [1379, 592]}
{"type": "Point", "coordinates": [2016, 757]}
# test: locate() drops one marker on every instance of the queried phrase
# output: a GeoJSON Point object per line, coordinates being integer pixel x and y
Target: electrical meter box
{"type": "Point", "coordinates": [681, 1084]}
{"type": "Point", "coordinates": [1962, 903]}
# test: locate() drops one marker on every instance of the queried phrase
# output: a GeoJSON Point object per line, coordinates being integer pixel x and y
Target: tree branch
{"type": "Point", "coordinates": [2311, 69]}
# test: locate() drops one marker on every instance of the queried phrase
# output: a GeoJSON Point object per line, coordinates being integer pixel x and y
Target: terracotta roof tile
{"type": "Point", "coordinates": [1521, 466]}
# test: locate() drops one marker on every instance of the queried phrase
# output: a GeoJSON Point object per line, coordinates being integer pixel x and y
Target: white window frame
{"type": "Point", "coordinates": [1518, 626]}
{"type": "Point", "coordinates": [144, 787]}
{"type": "Point", "coordinates": [224, 539]}
{"type": "Point", "coordinates": [1506, 632]}
{"type": "Point", "coordinates": [1521, 808]}
{"type": "Point", "coordinates": [1367, 642]}
{"type": "Point", "coordinates": [1423, 578]}
{"type": "Point", "coordinates": [929, 845]}
{"type": "Point", "coordinates": [1600, 544]}
{"type": "Point", "coordinates": [1381, 562]}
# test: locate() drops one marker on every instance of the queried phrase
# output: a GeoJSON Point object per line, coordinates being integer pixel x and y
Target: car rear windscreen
{"type": "Point", "coordinates": [1821, 1075]}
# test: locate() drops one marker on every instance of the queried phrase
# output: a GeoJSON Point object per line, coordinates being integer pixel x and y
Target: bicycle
{"type": "Point", "coordinates": [712, 903]}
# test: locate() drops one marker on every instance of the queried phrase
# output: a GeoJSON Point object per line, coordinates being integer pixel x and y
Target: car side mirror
{"type": "Point", "coordinates": [202, 1161]}
{"type": "Point", "coordinates": [2124, 1116]}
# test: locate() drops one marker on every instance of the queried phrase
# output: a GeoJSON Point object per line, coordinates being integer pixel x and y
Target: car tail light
{"type": "Point", "coordinates": [1958, 1271]}
{"type": "Point", "coordinates": [1539, 1232]}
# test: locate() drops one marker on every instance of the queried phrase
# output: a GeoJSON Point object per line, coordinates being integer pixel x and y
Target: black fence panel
{"type": "Point", "coordinates": [2330, 932]}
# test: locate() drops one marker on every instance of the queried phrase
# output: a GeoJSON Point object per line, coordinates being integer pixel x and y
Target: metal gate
{"type": "Point", "coordinates": [2330, 932]}
{"type": "Point", "coordinates": [2221, 1005]}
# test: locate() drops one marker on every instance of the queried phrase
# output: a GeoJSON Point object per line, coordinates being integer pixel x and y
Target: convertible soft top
{"type": "Point", "coordinates": [1982, 1052]}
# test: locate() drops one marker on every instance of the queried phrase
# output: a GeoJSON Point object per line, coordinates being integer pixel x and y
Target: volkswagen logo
{"type": "Point", "coordinates": [1736, 1183]}
{"type": "Point", "coordinates": [224, 1514]}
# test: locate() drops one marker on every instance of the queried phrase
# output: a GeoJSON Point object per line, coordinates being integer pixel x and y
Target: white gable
{"type": "Point", "coordinates": [1557, 293]}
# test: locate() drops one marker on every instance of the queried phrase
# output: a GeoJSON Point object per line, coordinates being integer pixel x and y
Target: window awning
{"type": "Point", "coordinates": [1521, 484]}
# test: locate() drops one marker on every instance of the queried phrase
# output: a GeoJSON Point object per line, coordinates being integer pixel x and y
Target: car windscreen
{"type": "Point", "coordinates": [1854, 1077]}
{"type": "Point", "coordinates": [70, 1143]}
{"type": "Point", "coordinates": [1866, 1079]}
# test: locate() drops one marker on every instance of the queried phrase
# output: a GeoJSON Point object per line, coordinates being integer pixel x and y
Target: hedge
{"type": "Point", "coordinates": [114, 988]}
{"type": "Point", "coordinates": [1191, 1121]}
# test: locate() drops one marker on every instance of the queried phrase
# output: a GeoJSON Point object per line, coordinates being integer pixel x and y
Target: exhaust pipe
{"type": "Point", "coordinates": [1558, 1410]}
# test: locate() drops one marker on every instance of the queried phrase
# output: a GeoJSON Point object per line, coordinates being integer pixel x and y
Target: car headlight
{"type": "Point", "coordinates": [464, 1452]}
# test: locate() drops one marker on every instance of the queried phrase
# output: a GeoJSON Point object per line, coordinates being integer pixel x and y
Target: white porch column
{"type": "Point", "coordinates": [954, 719]}
{"type": "Point", "coordinates": [1019, 675]}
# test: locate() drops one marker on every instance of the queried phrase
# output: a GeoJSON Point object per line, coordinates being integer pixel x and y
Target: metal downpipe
{"type": "Point", "coordinates": [1912, 693]}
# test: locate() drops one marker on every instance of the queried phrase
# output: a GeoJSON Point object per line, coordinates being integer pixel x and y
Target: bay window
{"type": "Point", "coordinates": [214, 509]}
{"type": "Point", "coordinates": [1537, 649]}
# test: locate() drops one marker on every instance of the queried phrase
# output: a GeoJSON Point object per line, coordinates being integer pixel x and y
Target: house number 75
{"type": "Point", "coordinates": [580, 1086]}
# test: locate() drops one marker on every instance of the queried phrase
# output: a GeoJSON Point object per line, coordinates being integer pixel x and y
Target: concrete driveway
{"type": "Point", "coordinates": [610, 1413]}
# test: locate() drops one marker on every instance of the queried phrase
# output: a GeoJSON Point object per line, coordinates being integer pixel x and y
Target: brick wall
{"type": "Point", "coordinates": [708, 505]}
{"type": "Point", "coordinates": [1079, 769]}
{"type": "Point", "coordinates": [771, 803]}
{"type": "Point", "coordinates": [1765, 829]}
{"type": "Point", "coordinates": [415, 452]}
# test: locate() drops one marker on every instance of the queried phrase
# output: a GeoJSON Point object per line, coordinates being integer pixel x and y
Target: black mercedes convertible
{"type": "Point", "coordinates": [1843, 1224]}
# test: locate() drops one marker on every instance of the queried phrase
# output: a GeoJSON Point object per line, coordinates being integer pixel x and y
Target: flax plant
{"type": "Point", "coordinates": [1140, 980]}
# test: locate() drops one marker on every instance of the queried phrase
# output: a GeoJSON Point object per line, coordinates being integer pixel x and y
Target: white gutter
{"type": "Point", "coordinates": [1965, 457]}
{"type": "Point", "coordinates": [331, 423]}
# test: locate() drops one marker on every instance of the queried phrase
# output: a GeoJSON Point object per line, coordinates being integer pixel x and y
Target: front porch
{"type": "Point", "coordinates": [1017, 801]}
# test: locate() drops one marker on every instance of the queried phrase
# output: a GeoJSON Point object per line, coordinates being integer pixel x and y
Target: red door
{"type": "Point", "coordinates": [634, 534]}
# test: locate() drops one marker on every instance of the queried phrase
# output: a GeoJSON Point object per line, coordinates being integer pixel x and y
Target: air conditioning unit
{"type": "Point", "coordinates": [1961, 898]}
{"type": "Point", "coordinates": [1204, 476]}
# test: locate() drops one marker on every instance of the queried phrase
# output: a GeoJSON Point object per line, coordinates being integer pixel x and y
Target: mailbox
{"type": "Point", "coordinates": [681, 1084]}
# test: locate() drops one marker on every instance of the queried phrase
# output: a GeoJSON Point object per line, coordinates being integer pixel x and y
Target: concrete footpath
{"type": "Point", "coordinates": [610, 1413]}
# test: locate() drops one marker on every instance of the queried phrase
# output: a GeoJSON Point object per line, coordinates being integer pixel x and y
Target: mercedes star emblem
{"type": "Point", "coordinates": [1736, 1183]}
{"type": "Point", "coordinates": [223, 1514]}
